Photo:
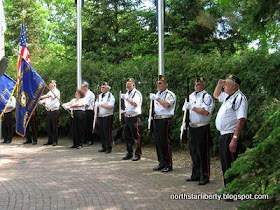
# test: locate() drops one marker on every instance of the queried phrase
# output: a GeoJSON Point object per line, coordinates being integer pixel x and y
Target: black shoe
{"type": "Point", "coordinates": [73, 147]}
{"type": "Point", "coordinates": [27, 142]}
{"type": "Point", "coordinates": [127, 156]}
{"type": "Point", "coordinates": [4, 142]}
{"type": "Point", "coordinates": [48, 143]}
{"type": "Point", "coordinates": [102, 150]}
{"type": "Point", "coordinates": [34, 143]}
{"type": "Point", "coordinates": [158, 168]}
{"type": "Point", "coordinates": [136, 158]}
{"type": "Point", "coordinates": [166, 169]}
{"type": "Point", "coordinates": [203, 182]}
{"type": "Point", "coordinates": [8, 142]}
{"type": "Point", "coordinates": [192, 179]}
{"type": "Point", "coordinates": [108, 151]}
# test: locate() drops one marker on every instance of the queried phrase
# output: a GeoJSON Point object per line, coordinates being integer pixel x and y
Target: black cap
{"type": "Point", "coordinates": [233, 78]}
{"type": "Point", "coordinates": [162, 78]}
{"type": "Point", "coordinates": [131, 80]}
{"type": "Point", "coordinates": [106, 84]}
{"type": "Point", "coordinates": [200, 79]}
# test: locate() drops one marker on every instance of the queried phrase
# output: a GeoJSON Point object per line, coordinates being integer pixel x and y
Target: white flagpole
{"type": "Point", "coordinates": [79, 43]}
{"type": "Point", "coordinates": [2, 30]}
{"type": "Point", "coordinates": [160, 37]}
{"type": "Point", "coordinates": [2, 43]}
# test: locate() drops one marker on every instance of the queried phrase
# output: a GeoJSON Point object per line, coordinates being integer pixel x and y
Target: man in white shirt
{"type": "Point", "coordinates": [89, 100]}
{"type": "Point", "coordinates": [7, 124]}
{"type": "Point", "coordinates": [164, 105]}
{"type": "Point", "coordinates": [230, 119]}
{"type": "Point", "coordinates": [105, 104]}
{"type": "Point", "coordinates": [52, 103]}
{"type": "Point", "coordinates": [200, 106]}
{"type": "Point", "coordinates": [133, 102]}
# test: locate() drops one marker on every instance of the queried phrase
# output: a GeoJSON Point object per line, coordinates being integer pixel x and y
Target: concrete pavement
{"type": "Point", "coordinates": [48, 177]}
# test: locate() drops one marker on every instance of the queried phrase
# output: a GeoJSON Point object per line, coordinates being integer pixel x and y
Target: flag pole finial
{"type": "Point", "coordinates": [23, 14]}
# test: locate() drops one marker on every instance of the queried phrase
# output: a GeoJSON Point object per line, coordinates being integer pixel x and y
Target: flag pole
{"type": "Point", "coordinates": [160, 37]}
{"type": "Point", "coordinates": [79, 44]}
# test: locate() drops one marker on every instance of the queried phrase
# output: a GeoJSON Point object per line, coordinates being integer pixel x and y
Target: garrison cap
{"type": "Point", "coordinates": [200, 79]}
{"type": "Point", "coordinates": [52, 81]}
{"type": "Point", "coordinates": [85, 83]}
{"type": "Point", "coordinates": [162, 78]}
{"type": "Point", "coordinates": [233, 78]}
{"type": "Point", "coordinates": [105, 84]}
{"type": "Point", "coordinates": [131, 80]}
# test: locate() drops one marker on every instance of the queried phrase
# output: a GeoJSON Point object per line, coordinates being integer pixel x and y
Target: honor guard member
{"type": "Point", "coordinates": [51, 102]}
{"type": "Point", "coordinates": [230, 119]}
{"type": "Point", "coordinates": [200, 106]}
{"type": "Point", "coordinates": [133, 102]}
{"type": "Point", "coordinates": [77, 104]}
{"type": "Point", "coordinates": [164, 105]}
{"type": "Point", "coordinates": [7, 123]}
{"type": "Point", "coordinates": [106, 102]}
{"type": "Point", "coordinates": [89, 100]}
{"type": "Point", "coordinates": [31, 130]}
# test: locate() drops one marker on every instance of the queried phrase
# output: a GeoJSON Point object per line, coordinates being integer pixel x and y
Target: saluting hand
{"type": "Point", "coordinates": [221, 82]}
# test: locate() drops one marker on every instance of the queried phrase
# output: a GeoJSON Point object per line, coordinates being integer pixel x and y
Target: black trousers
{"type": "Point", "coordinates": [105, 131]}
{"type": "Point", "coordinates": [78, 127]}
{"type": "Point", "coordinates": [163, 141]}
{"type": "Point", "coordinates": [199, 150]}
{"type": "Point", "coordinates": [88, 130]}
{"type": "Point", "coordinates": [226, 156]}
{"type": "Point", "coordinates": [7, 127]}
{"type": "Point", "coordinates": [52, 126]}
{"type": "Point", "coordinates": [31, 130]}
{"type": "Point", "coordinates": [132, 136]}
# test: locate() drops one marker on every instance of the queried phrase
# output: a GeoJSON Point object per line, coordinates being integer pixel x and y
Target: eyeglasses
{"type": "Point", "coordinates": [159, 83]}
{"type": "Point", "coordinates": [102, 87]}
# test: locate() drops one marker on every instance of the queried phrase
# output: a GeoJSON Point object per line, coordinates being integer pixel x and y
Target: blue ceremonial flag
{"type": "Point", "coordinates": [31, 87]}
{"type": "Point", "coordinates": [7, 87]}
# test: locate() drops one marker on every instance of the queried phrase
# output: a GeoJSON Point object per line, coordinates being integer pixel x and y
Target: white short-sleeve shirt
{"type": "Point", "coordinates": [234, 107]}
{"type": "Point", "coordinates": [169, 97]}
{"type": "Point", "coordinates": [89, 100]}
{"type": "Point", "coordinates": [204, 100]}
{"type": "Point", "coordinates": [136, 97]}
{"type": "Point", "coordinates": [12, 103]}
{"type": "Point", "coordinates": [108, 99]}
{"type": "Point", "coordinates": [52, 103]}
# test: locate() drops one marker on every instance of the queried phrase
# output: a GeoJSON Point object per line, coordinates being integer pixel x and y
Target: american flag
{"type": "Point", "coordinates": [23, 49]}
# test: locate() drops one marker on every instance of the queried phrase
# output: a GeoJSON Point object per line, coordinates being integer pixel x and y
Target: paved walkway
{"type": "Point", "coordinates": [47, 177]}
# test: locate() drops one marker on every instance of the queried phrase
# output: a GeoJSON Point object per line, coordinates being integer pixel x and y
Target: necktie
{"type": "Point", "coordinates": [103, 94]}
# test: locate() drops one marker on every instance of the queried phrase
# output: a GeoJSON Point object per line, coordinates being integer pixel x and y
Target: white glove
{"type": "Point", "coordinates": [123, 96]}
{"type": "Point", "coordinates": [153, 96]}
{"type": "Point", "coordinates": [188, 106]}
{"type": "Point", "coordinates": [65, 106]}
{"type": "Point", "coordinates": [97, 104]}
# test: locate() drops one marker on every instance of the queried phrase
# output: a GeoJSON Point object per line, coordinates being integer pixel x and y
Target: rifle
{"type": "Point", "coordinates": [121, 107]}
{"type": "Point", "coordinates": [95, 117]}
{"type": "Point", "coordinates": [151, 110]}
{"type": "Point", "coordinates": [186, 118]}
